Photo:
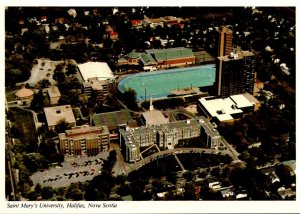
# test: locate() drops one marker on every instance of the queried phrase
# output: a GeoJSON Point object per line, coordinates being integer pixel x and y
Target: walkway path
{"type": "Point", "coordinates": [179, 162]}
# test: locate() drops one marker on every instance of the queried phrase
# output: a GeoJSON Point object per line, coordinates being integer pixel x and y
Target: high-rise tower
{"type": "Point", "coordinates": [225, 41]}
{"type": "Point", "coordinates": [235, 73]}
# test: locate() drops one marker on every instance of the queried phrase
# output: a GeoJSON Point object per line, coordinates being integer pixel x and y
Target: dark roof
{"type": "Point", "coordinates": [170, 53]}
{"type": "Point", "coordinates": [111, 119]}
{"type": "Point", "coordinates": [147, 59]}
{"type": "Point", "coordinates": [133, 55]}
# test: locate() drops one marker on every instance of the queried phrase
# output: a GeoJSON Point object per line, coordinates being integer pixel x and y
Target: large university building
{"type": "Point", "coordinates": [235, 73]}
{"type": "Point", "coordinates": [166, 136]}
{"type": "Point", "coordinates": [84, 140]}
{"type": "Point", "coordinates": [235, 68]}
{"type": "Point", "coordinates": [228, 109]}
{"type": "Point", "coordinates": [161, 58]}
{"type": "Point", "coordinates": [225, 41]}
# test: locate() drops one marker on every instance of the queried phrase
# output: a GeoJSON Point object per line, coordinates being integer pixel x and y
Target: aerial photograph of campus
{"type": "Point", "coordinates": [150, 103]}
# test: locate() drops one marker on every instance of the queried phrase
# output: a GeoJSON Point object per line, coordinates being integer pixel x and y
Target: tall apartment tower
{"type": "Point", "coordinates": [235, 73]}
{"type": "Point", "coordinates": [225, 41]}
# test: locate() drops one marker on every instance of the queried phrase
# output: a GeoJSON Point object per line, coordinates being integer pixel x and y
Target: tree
{"type": "Point", "coordinates": [245, 155]}
{"type": "Point", "coordinates": [137, 188]}
{"type": "Point", "coordinates": [120, 179]}
{"type": "Point", "coordinates": [15, 132]}
{"type": "Point", "coordinates": [90, 194]}
{"type": "Point", "coordinates": [61, 191]}
{"type": "Point", "coordinates": [48, 149]}
{"type": "Point", "coordinates": [172, 177]}
{"type": "Point", "coordinates": [129, 97]}
{"type": "Point", "coordinates": [74, 192]}
{"type": "Point", "coordinates": [103, 183]}
{"type": "Point", "coordinates": [17, 69]}
{"type": "Point", "coordinates": [71, 69]}
{"type": "Point", "coordinates": [47, 192]}
{"type": "Point", "coordinates": [83, 99]}
{"type": "Point", "coordinates": [38, 188]}
{"type": "Point", "coordinates": [112, 157]}
{"type": "Point", "coordinates": [64, 100]}
{"type": "Point", "coordinates": [44, 83]}
{"type": "Point", "coordinates": [188, 176]}
{"type": "Point", "coordinates": [59, 76]}
{"type": "Point", "coordinates": [30, 163]}
{"type": "Point", "coordinates": [124, 190]}
{"type": "Point", "coordinates": [189, 193]}
{"type": "Point", "coordinates": [10, 115]}
{"type": "Point", "coordinates": [215, 172]}
{"type": "Point", "coordinates": [157, 186]}
{"type": "Point", "coordinates": [38, 101]}
{"type": "Point", "coordinates": [32, 196]}
{"type": "Point", "coordinates": [61, 126]}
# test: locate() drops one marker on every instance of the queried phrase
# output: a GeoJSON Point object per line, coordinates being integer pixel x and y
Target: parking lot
{"type": "Point", "coordinates": [72, 170]}
{"type": "Point", "coordinates": [43, 69]}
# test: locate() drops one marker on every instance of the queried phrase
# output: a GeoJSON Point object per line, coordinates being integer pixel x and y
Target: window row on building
{"type": "Point", "coordinates": [84, 141]}
{"type": "Point", "coordinates": [166, 136]}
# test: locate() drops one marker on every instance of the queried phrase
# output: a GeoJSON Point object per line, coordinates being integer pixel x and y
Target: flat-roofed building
{"type": "Point", "coordinates": [165, 136]}
{"type": "Point", "coordinates": [113, 120]}
{"type": "Point", "coordinates": [59, 113]}
{"type": "Point", "coordinates": [228, 109]}
{"type": "Point", "coordinates": [246, 101]}
{"type": "Point", "coordinates": [54, 94]}
{"type": "Point", "coordinates": [186, 128]}
{"type": "Point", "coordinates": [153, 22]}
{"type": "Point", "coordinates": [84, 141]}
{"type": "Point", "coordinates": [99, 70]}
{"type": "Point", "coordinates": [235, 73]}
{"type": "Point", "coordinates": [130, 143]}
{"type": "Point", "coordinates": [209, 134]}
{"type": "Point", "coordinates": [154, 117]}
{"type": "Point", "coordinates": [96, 88]}
{"type": "Point", "coordinates": [225, 41]}
{"type": "Point", "coordinates": [171, 20]}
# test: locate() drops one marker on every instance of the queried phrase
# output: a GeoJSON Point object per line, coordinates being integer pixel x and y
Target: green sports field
{"type": "Point", "coordinates": [160, 83]}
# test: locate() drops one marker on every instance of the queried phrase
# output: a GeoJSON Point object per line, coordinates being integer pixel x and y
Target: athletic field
{"type": "Point", "coordinates": [160, 83]}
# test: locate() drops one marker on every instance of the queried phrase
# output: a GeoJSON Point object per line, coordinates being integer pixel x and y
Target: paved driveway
{"type": "Point", "coordinates": [42, 70]}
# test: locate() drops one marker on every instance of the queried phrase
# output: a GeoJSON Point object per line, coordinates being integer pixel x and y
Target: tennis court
{"type": "Point", "coordinates": [160, 83]}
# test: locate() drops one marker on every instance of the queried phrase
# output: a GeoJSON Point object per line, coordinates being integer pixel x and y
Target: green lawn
{"type": "Point", "coordinates": [24, 121]}
{"type": "Point", "coordinates": [10, 97]}
{"type": "Point", "coordinates": [76, 112]}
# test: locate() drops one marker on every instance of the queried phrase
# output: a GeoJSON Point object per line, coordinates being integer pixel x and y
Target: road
{"type": "Point", "coordinates": [161, 154]}
{"type": "Point", "coordinates": [234, 153]}
{"type": "Point", "coordinates": [120, 168]}
{"type": "Point", "coordinates": [179, 162]}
